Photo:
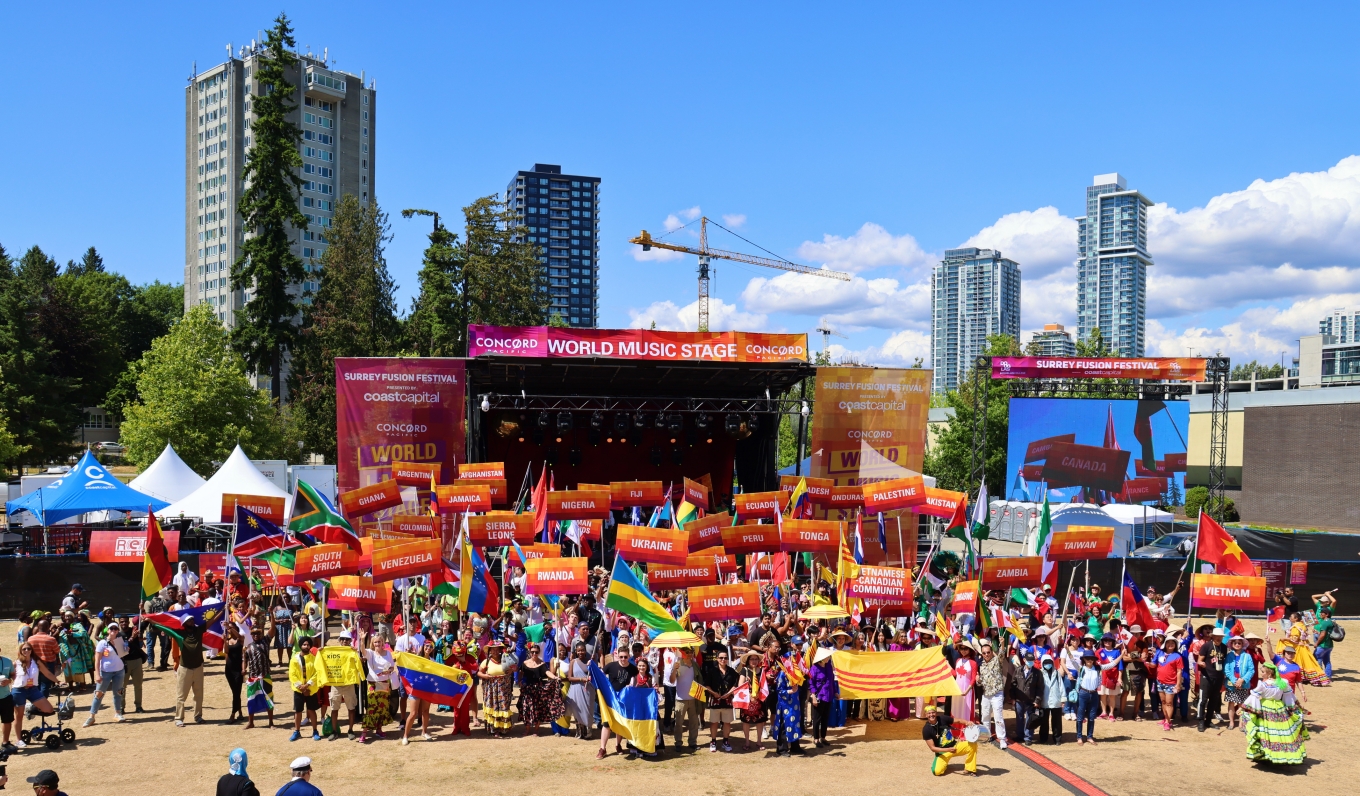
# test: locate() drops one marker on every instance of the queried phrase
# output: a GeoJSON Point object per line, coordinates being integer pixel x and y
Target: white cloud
{"type": "Point", "coordinates": [1050, 299]}
{"type": "Point", "coordinates": [734, 220]}
{"type": "Point", "coordinates": [901, 349]}
{"type": "Point", "coordinates": [870, 247]}
{"type": "Point", "coordinates": [1042, 241]}
{"type": "Point", "coordinates": [721, 316]}
{"type": "Point", "coordinates": [861, 302]}
{"type": "Point", "coordinates": [673, 222]}
{"type": "Point", "coordinates": [1259, 333]}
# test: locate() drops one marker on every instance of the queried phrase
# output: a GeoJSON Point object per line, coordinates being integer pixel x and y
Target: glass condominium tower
{"type": "Point", "coordinates": [973, 293]}
{"type": "Point", "coordinates": [1112, 269]}
{"type": "Point", "coordinates": [562, 215]}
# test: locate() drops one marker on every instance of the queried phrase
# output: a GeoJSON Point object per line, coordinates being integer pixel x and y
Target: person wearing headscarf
{"type": "Point", "coordinates": [236, 782]}
{"type": "Point", "coordinates": [1275, 728]}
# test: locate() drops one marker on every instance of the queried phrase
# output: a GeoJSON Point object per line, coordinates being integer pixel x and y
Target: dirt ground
{"type": "Point", "coordinates": [1131, 758]}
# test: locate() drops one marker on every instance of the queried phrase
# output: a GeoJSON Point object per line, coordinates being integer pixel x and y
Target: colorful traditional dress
{"type": "Point", "coordinates": [755, 712]}
{"type": "Point", "coordinates": [1275, 729]}
{"type": "Point", "coordinates": [540, 698]}
{"type": "Point", "coordinates": [497, 696]}
{"type": "Point", "coordinates": [77, 651]}
{"type": "Point", "coordinates": [965, 675]}
{"type": "Point", "coordinates": [788, 719]}
{"type": "Point", "coordinates": [580, 696]}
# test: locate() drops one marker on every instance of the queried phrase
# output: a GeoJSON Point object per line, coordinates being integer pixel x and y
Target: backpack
{"type": "Point", "coordinates": [1338, 633]}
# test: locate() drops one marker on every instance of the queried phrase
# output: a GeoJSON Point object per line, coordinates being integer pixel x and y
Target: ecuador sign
{"type": "Point", "coordinates": [406, 560]}
{"type": "Point", "coordinates": [811, 536]}
{"type": "Point", "coordinates": [358, 593]}
{"type": "Point", "coordinates": [716, 603]}
{"type": "Point", "coordinates": [1162, 369]}
{"type": "Point", "coordinates": [648, 344]}
{"type": "Point", "coordinates": [888, 583]}
{"type": "Point", "coordinates": [760, 505]}
{"type": "Point", "coordinates": [1080, 542]}
{"type": "Point", "coordinates": [1012, 572]}
{"type": "Point", "coordinates": [1232, 592]}
{"type": "Point", "coordinates": [750, 538]}
{"type": "Point", "coordinates": [555, 576]}
{"type": "Point", "coordinates": [653, 545]}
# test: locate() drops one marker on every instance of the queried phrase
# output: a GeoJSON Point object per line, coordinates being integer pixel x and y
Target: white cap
{"type": "Point", "coordinates": [300, 764]}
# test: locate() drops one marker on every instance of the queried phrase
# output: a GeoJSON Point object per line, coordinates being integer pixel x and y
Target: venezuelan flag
{"type": "Point", "coordinates": [432, 682]}
{"type": "Point", "coordinates": [627, 595]}
{"type": "Point", "coordinates": [631, 713]}
{"type": "Point", "coordinates": [477, 590]}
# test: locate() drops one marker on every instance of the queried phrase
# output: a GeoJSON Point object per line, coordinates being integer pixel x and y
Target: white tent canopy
{"type": "Point", "coordinates": [236, 476]}
{"type": "Point", "coordinates": [1138, 514]}
{"type": "Point", "coordinates": [1091, 515]}
{"type": "Point", "coordinates": [168, 478]}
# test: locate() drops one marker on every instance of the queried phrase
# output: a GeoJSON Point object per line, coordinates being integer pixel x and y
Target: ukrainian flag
{"type": "Point", "coordinates": [631, 713]}
{"type": "Point", "coordinates": [432, 682]}
{"type": "Point", "coordinates": [627, 595]}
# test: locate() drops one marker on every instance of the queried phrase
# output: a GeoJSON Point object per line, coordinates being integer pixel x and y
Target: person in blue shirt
{"type": "Point", "coordinates": [1237, 676]}
{"type": "Point", "coordinates": [301, 783]}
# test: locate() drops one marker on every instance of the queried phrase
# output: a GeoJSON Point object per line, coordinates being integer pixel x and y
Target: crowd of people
{"type": "Point", "coordinates": [1059, 670]}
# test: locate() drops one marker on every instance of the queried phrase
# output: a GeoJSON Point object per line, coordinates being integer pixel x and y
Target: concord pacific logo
{"type": "Point", "coordinates": [506, 342]}
{"type": "Point", "coordinates": [409, 428]}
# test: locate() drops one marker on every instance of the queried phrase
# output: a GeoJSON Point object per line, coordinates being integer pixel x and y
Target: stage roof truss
{"type": "Point", "coordinates": [647, 405]}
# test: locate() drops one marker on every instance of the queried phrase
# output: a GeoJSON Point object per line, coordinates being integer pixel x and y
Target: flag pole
{"type": "Point", "coordinates": [901, 551]}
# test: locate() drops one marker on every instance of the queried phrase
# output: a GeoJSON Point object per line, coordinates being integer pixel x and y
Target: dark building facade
{"type": "Point", "coordinates": [562, 215]}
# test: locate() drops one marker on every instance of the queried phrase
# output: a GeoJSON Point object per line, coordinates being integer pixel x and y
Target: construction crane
{"type": "Point", "coordinates": [705, 253]}
{"type": "Point", "coordinates": [827, 331]}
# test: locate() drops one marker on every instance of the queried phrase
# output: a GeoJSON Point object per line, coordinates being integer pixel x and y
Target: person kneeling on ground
{"type": "Point", "coordinates": [938, 734]}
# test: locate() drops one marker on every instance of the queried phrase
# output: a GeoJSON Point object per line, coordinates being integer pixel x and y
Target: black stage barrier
{"type": "Point", "coordinates": [39, 582]}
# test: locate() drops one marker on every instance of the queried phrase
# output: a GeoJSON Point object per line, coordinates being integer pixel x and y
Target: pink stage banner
{"type": "Point", "coordinates": [553, 342]}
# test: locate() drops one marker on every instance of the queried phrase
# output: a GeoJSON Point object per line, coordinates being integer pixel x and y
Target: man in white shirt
{"type": "Point", "coordinates": [681, 677]}
{"type": "Point", "coordinates": [184, 579]}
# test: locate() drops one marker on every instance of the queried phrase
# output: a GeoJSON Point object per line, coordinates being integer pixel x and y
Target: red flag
{"type": "Point", "coordinates": [1111, 441]}
{"type": "Point", "coordinates": [1276, 614]}
{"type": "Point", "coordinates": [1217, 547]}
{"type": "Point", "coordinates": [541, 503]}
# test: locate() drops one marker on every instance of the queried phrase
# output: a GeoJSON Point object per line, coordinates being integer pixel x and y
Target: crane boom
{"type": "Point", "coordinates": [705, 253]}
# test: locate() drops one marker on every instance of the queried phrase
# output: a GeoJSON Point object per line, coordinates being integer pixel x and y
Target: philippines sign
{"type": "Point", "coordinates": [698, 570]}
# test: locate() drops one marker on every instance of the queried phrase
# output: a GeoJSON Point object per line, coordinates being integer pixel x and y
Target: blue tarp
{"type": "Point", "coordinates": [88, 487]}
{"type": "Point", "coordinates": [807, 468]}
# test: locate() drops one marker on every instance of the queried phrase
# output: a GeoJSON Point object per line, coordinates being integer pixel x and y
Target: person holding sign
{"type": "Point", "coordinates": [342, 671]}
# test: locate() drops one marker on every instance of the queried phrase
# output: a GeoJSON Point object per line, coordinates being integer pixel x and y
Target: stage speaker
{"type": "Point", "coordinates": [563, 422]}
{"type": "Point", "coordinates": [621, 424]}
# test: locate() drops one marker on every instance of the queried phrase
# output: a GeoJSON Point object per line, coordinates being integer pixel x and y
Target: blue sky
{"type": "Point", "coordinates": [937, 127]}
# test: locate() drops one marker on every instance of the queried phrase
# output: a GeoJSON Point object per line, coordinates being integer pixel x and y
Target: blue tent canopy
{"type": "Point", "coordinates": [88, 487]}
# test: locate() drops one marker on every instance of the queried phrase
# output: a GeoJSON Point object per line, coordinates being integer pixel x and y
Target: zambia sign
{"type": "Point", "coordinates": [1012, 572]}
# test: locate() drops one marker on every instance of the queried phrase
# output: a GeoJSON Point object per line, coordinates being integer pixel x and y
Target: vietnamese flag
{"type": "Point", "coordinates": [1218, 548]}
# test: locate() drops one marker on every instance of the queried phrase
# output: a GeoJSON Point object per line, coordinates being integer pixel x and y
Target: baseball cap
{"type": "Point", "coordinates": [47, 778]}
{"type": "Point", "coordinates": [301, 764]}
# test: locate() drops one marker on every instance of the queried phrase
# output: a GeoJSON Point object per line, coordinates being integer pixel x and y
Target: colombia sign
{"type": "Point", "coordinates": [716, 603]}
{"type": "Point", "coordinates": [1012, 572]}
{"type": "Point", "coordinates": [555, 576]}
{"type": "Point", "coordinates": [1233, 592]}
{"type": "Point", "coordinates": [1080, 542]}
{"type": "Point", "coordinates": [653, 545]}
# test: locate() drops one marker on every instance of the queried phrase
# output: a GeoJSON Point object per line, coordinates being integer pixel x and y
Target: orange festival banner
{"type": "Point", "coordinates": [463, 498]}
{"type": "Point", "coordinates": [698, 570]}
{"type": "Point", "coordinates": [556, 576]}
{"type": "Point", "coordinates": [697, 494]}
{"type": "Point", "coordinates": [940, 502]}
{"type": "Point", "coordinates": [415, 524]}
{"type": "Point", "coordinates": [325, 561]}
{"type": "Point", "coordinates": [744, 539]}
{"type": "Point", "coordinates": [716, 603]}
{"type": "Point", "coordinates": [368, 499]}
{"type": "Point", "coordinates": [760, 505]}
{"type": "Point", "coordinates": [271, 508]}
{"type": "Point", "coordinates": [359, 593]}
{"type": "Point", "coordinates": [811, 536]}
{"type": "Point", "coordinates": [367, 544]}
{"type": "Point", "coordinates": [406, 560]}
{"type": "Point", "coordinates": [1010, 572]}
{"type": "Point", "coordinates": [965, 597]}
{"type": "Point", "coordinates": [653, 545]}
{"type": "Point", "coordinates": [1233, 592]}
{"type": "Point", "coordinates": [532, 551]}
{"type": "Point", "coordinates": [899, 493]}
{"type": "Point", "coordinates": [496, 530]}
{"type": "Point", "coordinates": [706, 532]}
{"type": "Point", "coordinates": [887, 583]}
{"type": "Point", "coordinates": [499, 494]}
{"type": "Point", "coordinates": [420, 474]}
{"type": "Point", "coordinates": [574, 504]}
{"type": "Point", "coordinates": [482, 470]}
{"type": "Point", "coordinates": [1080, 542]}
{"type": "Point", "coordinates": [627, 494]}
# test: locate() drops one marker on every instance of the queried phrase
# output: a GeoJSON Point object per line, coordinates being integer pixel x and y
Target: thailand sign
{"type": "Point", "coordinates": [716, 603]}
{"type": "Point", "coordinates": [463, 498]}
{"type": "Point", "coordinates": [122, 547]}
{"type": "Point", "coordinates": [1232, 592]}
{"type": "Point", "coordinates": [750, 538]}
{"type": "Point", "coordinates": [418, 474]}
{"type": "Point", "coordinates": [1167, 369]}
{"type": "Point", "coordinates": [556, 576]}
{"type": "Point", "coordinates": [497, 530]}
{"type": "Point", "coordinates": [899, 493]}
{"type": "Point", "coordinates": [811, 536]}
{"type": "Point", "coordinates": [627, 494]}
{"type": "Point", "coordinates": [366, 500]}
{"type": "Point", "coordinates": [575, 504]}
{"type": "Point", "coordinates": [940, 502]}
{"type": "Point", "coordinates": [1012, 572]}
{"type": "Point", "coordinates": [879, 607]}
{"type": "Point", "coordinates": [396, 409]}
{"type": "Point", "coordinates": [1086, 465]}
{"type": "Point", "coordinates": [325, 561]}
{"type": "Point", "coordinates": [646, 344]}
{"type": "Point", "coordinates": [358, 593]}
{"type": "Point", "coordinates": [888, 583]}
{"type": "Point", "coordinates": [271, 508]}
{"type": "Point", "coordinates": [706, 532]}
{"type": "Point", "coordinates": [653, 545]}
{"type": "Point", "coordinates": [406, 560]}
{"type": "Point", "coordinates": [965, 597]}
{"type": "Point", "coordinates": [760, 505]}
{"type": "Point", "coordinates": [1080, 542]}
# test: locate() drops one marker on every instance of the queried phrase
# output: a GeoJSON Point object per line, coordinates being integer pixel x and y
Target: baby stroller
{"type": "Point", "coordinates": [55, 735]}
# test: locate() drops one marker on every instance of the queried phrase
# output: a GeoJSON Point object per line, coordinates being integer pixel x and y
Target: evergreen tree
{"type": "Point", "coordinates": [90, 263]}
{"type": "Point", "coordinates": [950, 456]}
{"type": "Point", "coordinates": [267, 267]}
{"type": "Point", "coordinates": [437, 311]}
{"type": "Point", "coordinates": [353, 314]}
{"type": "Point", "coordinates": [193, 391]}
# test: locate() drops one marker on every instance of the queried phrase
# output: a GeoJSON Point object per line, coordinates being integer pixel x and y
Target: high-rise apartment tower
{"type": "Point", "coordinates": [562, 214]}
{"type": "Point", "coordinates": [973, 293]}
{"type": "Point", "coordinates": [1112, 269]}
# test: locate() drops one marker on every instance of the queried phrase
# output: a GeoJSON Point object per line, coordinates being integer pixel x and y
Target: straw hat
{"type": "Point", "coordinates": [1252, 637]}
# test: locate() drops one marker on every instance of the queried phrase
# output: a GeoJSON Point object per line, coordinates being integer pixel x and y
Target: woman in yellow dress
{"type": "Point", "coordinates": [497, 677]}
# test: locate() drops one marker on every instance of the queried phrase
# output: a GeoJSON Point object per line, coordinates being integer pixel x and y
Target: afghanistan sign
{"type": "Point", "coordinates": [366, 500]}
{"type": "Point", "coordinates": [899, 493]}
{"type": "Point", "coordinates": [1080, 542]}
{"type": "Point", "coordinates": [1162, 369]}
{"type": "Point", "coordinates": [1012, 572]}
{"type": "Point", "coordinates": [1233, 592]}
{"type": "Point", "coordinates": [653, 545]}
{"type": "Point", "coordinates": [481, 470]}
{"type": "Point", "coordinates": [627, 494]}
{"type": "Point", "coordinates": [497, 530]}
{"type": "Point", "coordinates": [965, 597]}
{"type": "Point", "coordinates": [556, 576]}
{"type": "Point", "coordinates": [577, 505]}
{"type": "Point", "coordinates": [648, 344]}
{"type": "Point", "coordinates": [716, 603]}
{"type": "Point", "coordinates": [396, 409]}
{"type": "Point", "coordinates": [739, 539]}
{"type": "Point", "coordinates": [888, 583]}
{"type": "Point", "coordinates": [811, 536]}
{"type": "Point", "coordinates": [706, 532]}
{"type": "Point", "coordinates": [359, 593]}
{"type": "Point", "coordinates": [325, 561]}
{"type": "Point", "coordinates": [406, 560]}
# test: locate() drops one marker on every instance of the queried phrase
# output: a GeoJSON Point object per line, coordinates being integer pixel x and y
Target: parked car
{"type": "Point", "coordinates": [1171, 545]}
{"type": "Point", "coordinates": [109, 447]}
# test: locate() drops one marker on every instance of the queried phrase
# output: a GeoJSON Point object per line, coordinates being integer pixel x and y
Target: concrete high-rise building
{"type": "Point", "coordinates": [562, 214]}
{"type": "Point", "coordinates": [973, 293]}
{"type": "Point", "coordinates": [1054, 341]}
{"type": "Point", "coordinates": [1112, 265]}
{"type": "Point", "coordinates": [337, 114]}
{"type": "Point", "coordinates": [1342, 326]}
